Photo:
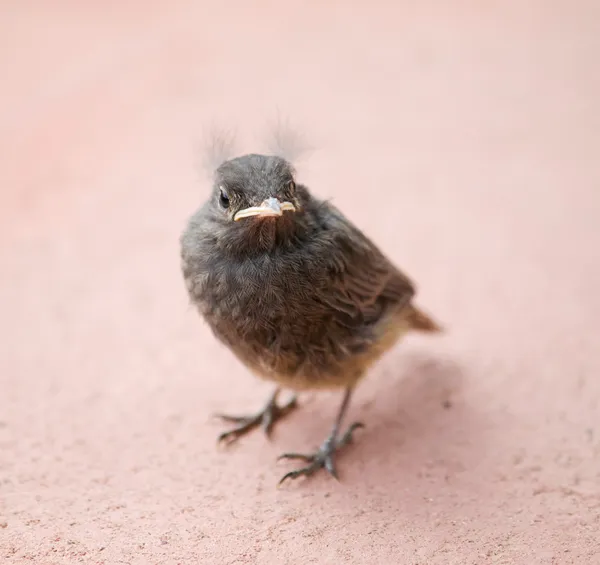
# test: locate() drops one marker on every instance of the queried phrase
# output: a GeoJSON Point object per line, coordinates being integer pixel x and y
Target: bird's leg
{"type": "Point", "coordinates": [324, 458]}
{"type": "Point", "coordinates": [265, 418]}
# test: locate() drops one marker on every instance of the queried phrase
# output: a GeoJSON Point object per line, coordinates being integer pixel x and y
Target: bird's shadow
{"type": "Point", "coordinates": [418, 409]}
{"type": "Point", "coordinates": [418, 420]}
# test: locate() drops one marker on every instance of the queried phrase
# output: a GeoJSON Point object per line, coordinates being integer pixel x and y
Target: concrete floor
{"type": "Point", "coordinates": [464, 138]}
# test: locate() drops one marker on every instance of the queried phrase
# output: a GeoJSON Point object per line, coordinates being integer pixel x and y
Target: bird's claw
{"type": "Point", "coordinates": [324, 458]}
{"type": "Point", "coordinates": [266, 418]}
{"type": "Point", "coordinates": [231, 436]}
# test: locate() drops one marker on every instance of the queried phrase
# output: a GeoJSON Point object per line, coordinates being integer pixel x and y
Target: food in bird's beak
{"type": "Point", "coordinates": [270, 207]}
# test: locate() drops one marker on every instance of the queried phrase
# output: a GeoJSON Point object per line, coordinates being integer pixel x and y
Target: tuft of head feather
{"type": "Point", "coordinates": [219, 145]}
{"type": "Point", "coordinates": [286, 142]}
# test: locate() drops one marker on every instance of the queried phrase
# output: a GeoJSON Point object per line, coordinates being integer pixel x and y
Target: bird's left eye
{"type": "Point", "coordinates": [223, 198]}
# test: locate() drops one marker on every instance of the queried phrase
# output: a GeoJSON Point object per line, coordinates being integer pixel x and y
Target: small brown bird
{"type": "Point", "coordinates": [298, 293]}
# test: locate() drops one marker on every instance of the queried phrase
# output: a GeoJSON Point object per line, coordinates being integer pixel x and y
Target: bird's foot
{"type": "Point", "coordinates": [324, 458]}
{"type": "Point", "coordinates": [265, 418]}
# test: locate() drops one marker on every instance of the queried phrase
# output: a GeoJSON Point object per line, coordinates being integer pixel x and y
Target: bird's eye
{"type": "Point", "coordinates": [223, 198]}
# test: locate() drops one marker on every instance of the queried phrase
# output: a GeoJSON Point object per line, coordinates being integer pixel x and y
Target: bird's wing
{"type": "Point", "coordinates": [362, 283]}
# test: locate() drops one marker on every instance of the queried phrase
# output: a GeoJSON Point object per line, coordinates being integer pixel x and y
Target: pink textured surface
{"type": "Point", "coordinates": [464, 139]}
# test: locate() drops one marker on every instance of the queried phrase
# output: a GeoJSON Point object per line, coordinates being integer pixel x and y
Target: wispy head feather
{"type": "Point", "coordinates": [286, 142]}
{"type": "Point", "coordinates": [218, 146]}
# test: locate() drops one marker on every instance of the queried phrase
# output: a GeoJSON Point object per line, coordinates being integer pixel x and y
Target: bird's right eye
{"type": "Point", "coordinates": [223, 198]}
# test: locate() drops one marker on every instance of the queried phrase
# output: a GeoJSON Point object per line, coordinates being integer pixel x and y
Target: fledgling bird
{"type": "Point", "coordinates": [296, 291]}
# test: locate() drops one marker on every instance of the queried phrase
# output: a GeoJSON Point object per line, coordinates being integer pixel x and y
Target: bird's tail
{"type": "Point", "coordinates": [421, 322]}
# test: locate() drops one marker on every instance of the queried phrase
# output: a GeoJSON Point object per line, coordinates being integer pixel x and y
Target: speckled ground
{"type": "Point", "coordinates": [463, 138]}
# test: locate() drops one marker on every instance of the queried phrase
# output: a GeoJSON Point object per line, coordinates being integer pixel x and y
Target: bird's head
{"type": "Point", "coordinates": [255, 186]}
{"type": "Point", "coordinates": [255, 201]}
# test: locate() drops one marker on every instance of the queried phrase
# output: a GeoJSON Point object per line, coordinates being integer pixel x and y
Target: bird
{"type": "Point", "coordinates": [296, 291]}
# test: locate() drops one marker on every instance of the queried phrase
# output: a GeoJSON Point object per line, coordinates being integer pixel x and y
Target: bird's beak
{"type": "Point", "coordinates": [270, 207]}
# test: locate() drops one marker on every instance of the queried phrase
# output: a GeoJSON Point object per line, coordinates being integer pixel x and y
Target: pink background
{"type": "Point", "coordinates": [463, 137]}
